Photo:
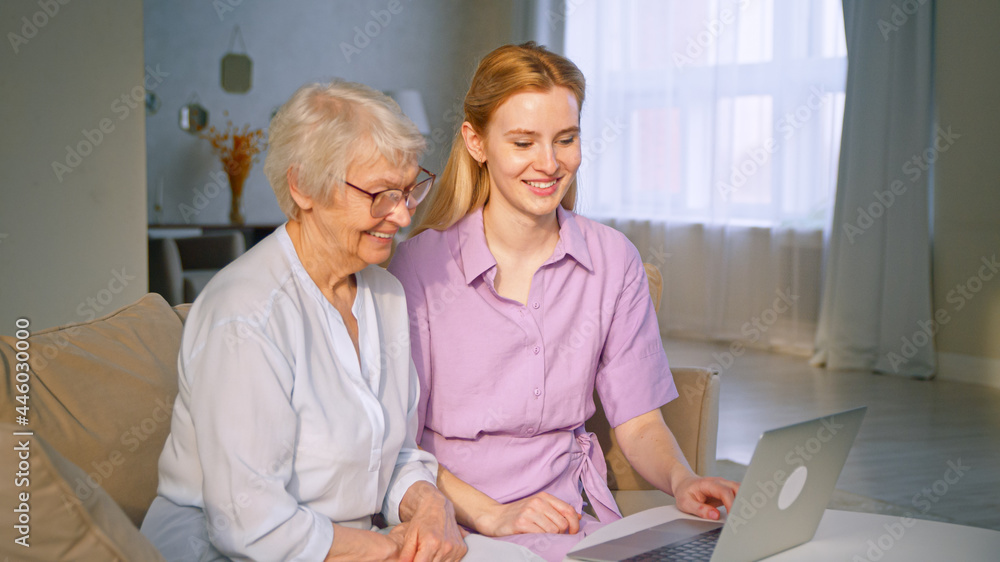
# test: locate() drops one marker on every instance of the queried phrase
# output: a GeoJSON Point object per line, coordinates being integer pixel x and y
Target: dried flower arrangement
{"type": "Point", "coordinates": [238, 150]}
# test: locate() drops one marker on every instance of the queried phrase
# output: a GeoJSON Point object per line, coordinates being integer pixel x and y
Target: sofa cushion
{"type": "Point", "coordinates": [59, 521]}
{"type": "Point", "coordinates": [101, 393]}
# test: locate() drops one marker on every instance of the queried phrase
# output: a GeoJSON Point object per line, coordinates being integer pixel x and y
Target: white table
{"type": "Point", "coordinates": [850, 536]}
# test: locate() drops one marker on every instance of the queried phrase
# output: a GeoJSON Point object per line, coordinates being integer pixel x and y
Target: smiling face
{"type": "Point", "coordinates": [532, 151]}
{"type": "Point", "coordinates": [345, 224]}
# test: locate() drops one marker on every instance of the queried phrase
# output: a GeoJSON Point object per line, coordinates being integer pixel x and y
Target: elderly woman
{"type": "Point", "coordinates": [296, 414]}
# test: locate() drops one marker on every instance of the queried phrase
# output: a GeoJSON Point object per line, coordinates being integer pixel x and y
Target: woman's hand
{"type": "Point", "coordinates": [701, 496]}
{"type": "Point", "coordinates": [351, 544]}
{"type": "Point", "coordinates": [539, 513]}
{"type": "Point", "coordinates": [652, 450]}
{"type": "Point", "coordinates": [430, 530]}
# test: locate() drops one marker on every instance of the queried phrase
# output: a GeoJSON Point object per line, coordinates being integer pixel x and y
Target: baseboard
{"type": "Point", "coordinates": [960, 367]}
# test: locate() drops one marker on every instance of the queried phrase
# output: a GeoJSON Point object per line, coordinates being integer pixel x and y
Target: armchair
{"type": "Point", "coordinates": [179, 268]}
{"type": "Point", "coordinates": [693, 418]}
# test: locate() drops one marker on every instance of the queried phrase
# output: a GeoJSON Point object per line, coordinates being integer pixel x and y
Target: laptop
{"type": "Point", "coordinates": [780, 503]}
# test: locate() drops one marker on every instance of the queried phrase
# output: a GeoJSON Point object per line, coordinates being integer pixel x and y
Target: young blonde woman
{"type": "Point", "coordinates": [519, 308]}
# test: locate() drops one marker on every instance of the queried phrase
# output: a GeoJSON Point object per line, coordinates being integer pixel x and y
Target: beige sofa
{"type": "Point", "coordinates": [99, 402]}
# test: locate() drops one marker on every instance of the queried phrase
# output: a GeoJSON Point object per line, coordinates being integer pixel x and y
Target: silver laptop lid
{"type": "Point", "coordinates": [787, 486]}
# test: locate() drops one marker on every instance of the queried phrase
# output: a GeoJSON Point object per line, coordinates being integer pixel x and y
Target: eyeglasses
{"type": "Point", "coordinates": [384, 202]}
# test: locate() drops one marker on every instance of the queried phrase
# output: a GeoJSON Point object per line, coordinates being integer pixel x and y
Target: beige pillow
{"type": "Point", "coordinates": [182, 311]}
{"type": "Point", "coordinates": [102, 393]}
{"type": "Point", "coordinates": [59, 524]}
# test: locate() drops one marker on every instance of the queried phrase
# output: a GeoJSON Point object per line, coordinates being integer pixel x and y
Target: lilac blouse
{"type": "Point", "coordinates": [506, 387]}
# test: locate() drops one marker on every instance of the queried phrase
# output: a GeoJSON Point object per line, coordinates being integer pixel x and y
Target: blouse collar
{"type": "Point", "coordinates": [477, 258]}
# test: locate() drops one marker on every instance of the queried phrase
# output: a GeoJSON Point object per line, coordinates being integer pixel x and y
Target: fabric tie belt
{"type": "Point", "coordinates": [593, 473]}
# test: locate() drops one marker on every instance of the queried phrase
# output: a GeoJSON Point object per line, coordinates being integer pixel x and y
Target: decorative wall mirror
{"type": "Point", "coordinates": [193, 117]}
{"type": "Point", "coordinates": [237, 68]}
{"type": "Point", "coordinates": [152, 102]}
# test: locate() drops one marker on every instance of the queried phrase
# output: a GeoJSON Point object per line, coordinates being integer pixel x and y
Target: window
{"type": "Point", "coordinates": [725, 111]}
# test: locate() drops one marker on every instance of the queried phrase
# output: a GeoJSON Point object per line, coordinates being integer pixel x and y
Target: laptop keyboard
{"type": "Point", "coordinates": [698, 548]}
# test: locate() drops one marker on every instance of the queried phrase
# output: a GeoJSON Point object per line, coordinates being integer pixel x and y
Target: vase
{"type": "Point", "coordinates": [236, 182]}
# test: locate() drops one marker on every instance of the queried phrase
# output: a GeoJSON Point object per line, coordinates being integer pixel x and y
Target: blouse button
{"type": "Point", "coordinates": [538, 392]}
{"type": "Point", "coordinates": [536, 350]}
{"type": "Point", "coordinates": [535, 305]}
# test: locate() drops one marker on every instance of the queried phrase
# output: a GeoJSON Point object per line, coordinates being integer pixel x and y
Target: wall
{"type": "Point", "coordinates": [72, 235]}
{"type": "Point", "coordinates": [431, 46]}
{"type": "Point", "coordinates": [967, 191]}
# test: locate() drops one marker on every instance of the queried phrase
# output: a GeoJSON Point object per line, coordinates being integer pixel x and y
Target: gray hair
{"type": "Point", "coordinates": [323, 128]}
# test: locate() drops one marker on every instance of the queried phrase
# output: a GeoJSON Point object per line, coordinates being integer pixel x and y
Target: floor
{"type": "Point", "coordinates": [932, 447]}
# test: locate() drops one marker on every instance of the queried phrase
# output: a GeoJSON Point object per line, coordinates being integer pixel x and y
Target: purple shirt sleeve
{"type": "Point", "coordinates": [633, 377]}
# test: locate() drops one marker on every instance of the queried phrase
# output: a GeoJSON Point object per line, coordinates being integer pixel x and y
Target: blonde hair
{"type": "Point", "coordinates": [464, 185]}
{"type": "Point", "coordinates": [322, 129]}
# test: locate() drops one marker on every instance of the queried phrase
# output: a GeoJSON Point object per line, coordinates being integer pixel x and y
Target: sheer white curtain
{"type": "Point", "coordinates": [711, 134]}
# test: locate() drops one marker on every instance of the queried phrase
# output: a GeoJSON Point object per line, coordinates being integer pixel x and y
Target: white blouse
{"type": "Point", "coordinates": [277, 430]}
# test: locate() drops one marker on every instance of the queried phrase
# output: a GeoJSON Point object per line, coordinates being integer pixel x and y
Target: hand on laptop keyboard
{"type": "Point", "coordinates": [702, 495]}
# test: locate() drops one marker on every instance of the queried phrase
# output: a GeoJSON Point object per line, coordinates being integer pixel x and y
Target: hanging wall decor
{"type": "Point", "coordinates": [193, 117]}
{"type": "Point", "coordinates": [237, 68]}
{"type": "Point", "coordinates": [152, 102]}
